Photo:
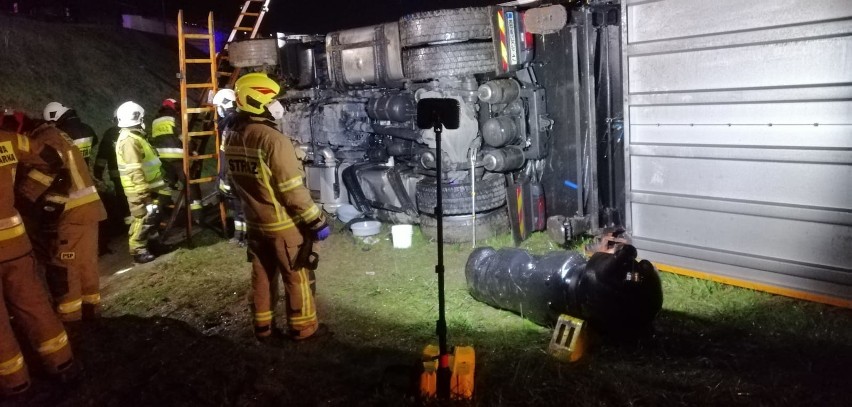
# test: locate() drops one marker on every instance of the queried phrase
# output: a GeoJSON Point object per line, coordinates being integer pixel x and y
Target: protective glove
{"type": "Point", "coordinates": [323, 232]}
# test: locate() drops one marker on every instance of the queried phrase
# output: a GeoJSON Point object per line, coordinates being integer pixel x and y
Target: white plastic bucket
{"type": "Point", "coordinates": [402, 236]}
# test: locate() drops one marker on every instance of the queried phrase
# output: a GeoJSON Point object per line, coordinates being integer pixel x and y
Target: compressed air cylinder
{"type": "Point", "coordinates": [506, 159]}
{"type": "Point", "coordinates": [499, 91]}
{"type": "Point", "coordinates": [500, 131]}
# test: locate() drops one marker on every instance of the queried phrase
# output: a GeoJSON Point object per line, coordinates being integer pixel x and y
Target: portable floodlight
{"type": "Point", "coordinates": [439, 114]}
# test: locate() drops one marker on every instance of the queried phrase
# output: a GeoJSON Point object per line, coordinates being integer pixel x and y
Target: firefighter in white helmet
{"type": "Point", "coordinates": [141, 176]}
{"type": "Point", "coordinates": [282, 219]}
{"type": "Point", "coordinates": [226, 109]}
{"type": "Point", "coordinates": [66, 119]}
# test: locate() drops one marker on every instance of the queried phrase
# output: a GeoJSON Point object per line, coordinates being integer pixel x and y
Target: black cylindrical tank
{"type": "Point", "coordinates": [614, 292]}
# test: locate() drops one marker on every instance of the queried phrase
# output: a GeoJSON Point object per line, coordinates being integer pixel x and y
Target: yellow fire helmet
{"type": "Point", "coordinates": [255, 91]}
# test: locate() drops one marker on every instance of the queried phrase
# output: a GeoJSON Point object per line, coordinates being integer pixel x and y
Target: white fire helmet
{"type": "Point", "coordinates": [54, 110]}
{"type": "Point", "coordinates": [224, 101]}
{"type": "Point", "coordinates": [130, 114]}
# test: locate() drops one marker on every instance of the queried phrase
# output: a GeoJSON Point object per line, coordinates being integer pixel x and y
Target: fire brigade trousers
{"type": "Point", "coordinates": [235, 211]}
{"type": "Point", "coordinates": [270, 258]}
{"type": "Point", "coordinates": [143, 226]}
{"type": "Point", "coordinates": [24, 298]}
{"type": "Point", "coordinates": [71, 265]}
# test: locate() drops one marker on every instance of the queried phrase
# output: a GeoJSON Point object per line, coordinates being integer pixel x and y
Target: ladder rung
{"type": "Point", "coordinates": [224, 73]}
{"type": "Point", "coordinates": [197, 36]}
{"type": "Point", "coordinates": [199, 109]}
{"type": "Point", "coordinates": [250, 14]}
{"type": "Point", "coordinates": [199, 61]}
{"type": "Point", "coordinates": [199, 85]}
{"type": "Point", "coordinates": [203, 180]}
{"type": "Point", "coordinates": [200, 133]}
{"type": "Point", "coordinates": [247, 29]}
{"type": "Point", "coordinates": [202, 157]}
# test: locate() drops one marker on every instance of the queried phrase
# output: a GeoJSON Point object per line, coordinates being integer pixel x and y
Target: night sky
{"type": "Point", "coordinates": [290, 16]}
{"type": "Point", "coordinates": [305, 16]}
{"type": "Point", "coordinates": [322, 16]}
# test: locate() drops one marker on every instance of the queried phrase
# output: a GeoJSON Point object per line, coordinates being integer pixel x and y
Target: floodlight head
{"type": "Point", "coordinates": [434, 112]}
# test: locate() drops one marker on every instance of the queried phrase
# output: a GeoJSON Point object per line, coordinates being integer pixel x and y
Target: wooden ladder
{"type": "Point", "coordinates": [201, 130]}
{"type": "Point", "coordinates": [200, 123]}
{"type": "Point", "coordinates": [247, 27]}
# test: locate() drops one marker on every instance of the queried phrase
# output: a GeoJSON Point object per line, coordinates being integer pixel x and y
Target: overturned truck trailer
{"type": "Point", "coordinates": [716, 132]}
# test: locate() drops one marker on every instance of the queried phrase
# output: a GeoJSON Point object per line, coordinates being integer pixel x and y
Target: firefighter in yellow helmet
{"type": "Point", "coordinates": [141, 176]}
{"type": "Point", "coordinates": [65, 230]}
{"type": "Point", "coordinates": [22, 294]}
{"type": "Point", "coordinates": [282, 219]}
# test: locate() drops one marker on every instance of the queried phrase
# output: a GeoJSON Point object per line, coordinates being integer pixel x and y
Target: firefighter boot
{"type": "Point", "coordinates": [143, 257]}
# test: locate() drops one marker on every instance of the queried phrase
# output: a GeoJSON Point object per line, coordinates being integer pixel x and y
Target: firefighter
{"type": "Point", "coordinates": [22, 294]}
{"type": "Point", "coordinates": [227, 112]}
{"type": "Point", "coordinates": [282, 219]}
{"type": "Point", "coordinates": [67, 241]}
{"type": "Point", "coordinates": [165, 137]}
{"type": "Point", "coordinates": [141, 178]}
{"type": "Point", "coordinates": [66, 119]}
{"type": "Point", "coordinates": [112, 194]}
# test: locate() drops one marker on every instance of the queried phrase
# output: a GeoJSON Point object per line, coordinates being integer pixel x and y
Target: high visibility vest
{"type": "Point", "coordinates": [169, 146]}
{"type": "Point", "coordinates": [150, 165]}
{"type": "Point", "coordinates": [163, 126]}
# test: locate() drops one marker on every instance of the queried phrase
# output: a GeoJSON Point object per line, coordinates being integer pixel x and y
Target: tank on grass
{"type": "Point", "coordinates": [614, 292]}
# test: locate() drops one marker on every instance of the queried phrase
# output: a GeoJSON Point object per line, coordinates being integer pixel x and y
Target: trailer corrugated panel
{"type": "Point", "coordinates": [739, 141]}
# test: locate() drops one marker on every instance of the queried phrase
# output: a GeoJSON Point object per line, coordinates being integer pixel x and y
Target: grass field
{"type": "Point", "coordinates": [713, 344]}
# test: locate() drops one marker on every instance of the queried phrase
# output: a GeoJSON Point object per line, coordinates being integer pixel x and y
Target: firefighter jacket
{"type": "Point", "coordinates": [83, 135]}
{"type": "Point", "coordinates": [165, 138]}
{"type": "Point", "coordinates": [269, 179]}
{"type": "Point", "coordinates": [43, 164]}
{"type": "Point", "coordinates": [74, 188]}
{"type": "Point", "coordinates": [139, 167]}
{"type": "Point", "coordinates": [106, 154]}
{"type": "Point", "coordinates": [226, 127]}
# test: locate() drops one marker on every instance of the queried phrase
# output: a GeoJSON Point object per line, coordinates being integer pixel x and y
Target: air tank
{"type": "Point", "coordinates": [504, 160]}
{"type": "Point", "coordinates": [500, 131]}
{"type": "Point", "coordinates": [499, 91]}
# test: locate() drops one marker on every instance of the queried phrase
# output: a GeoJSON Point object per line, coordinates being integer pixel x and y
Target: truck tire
{"type": "Point", "coordinates": [448, 60]}
{"type": "Point", "coordinates": [490, 194]}
{"type": "Point", "coordinates": [457, 229]}
{"type": "Point", "coordinates": [454, 25]}
{"type": "Point", "coordinates": [254, 52]}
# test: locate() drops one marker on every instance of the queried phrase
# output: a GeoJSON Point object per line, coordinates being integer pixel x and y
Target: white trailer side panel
{"type": "Point", "coordinates": [739, 139]}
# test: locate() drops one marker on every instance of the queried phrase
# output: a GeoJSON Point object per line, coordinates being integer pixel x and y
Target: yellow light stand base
{"type": "Point", "coordinates": [568, 343]}
{"type": "Point", "coordinates": [462, 366]}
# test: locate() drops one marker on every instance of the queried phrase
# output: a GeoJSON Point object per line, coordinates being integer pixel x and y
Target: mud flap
{"type": "Point", "coordinates": [526, 208]}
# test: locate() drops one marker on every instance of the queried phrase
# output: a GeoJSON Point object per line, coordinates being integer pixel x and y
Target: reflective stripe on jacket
{"type": "Point", "coordinates": [83, 135]}
{"type": "Point", "coordinates": [77, 193]}
{"type": "Point", "coordinates": [15, 150]}
{"type": "Point", "coordinates": [139, 166]}
{"type": "Point", "coordinates": [268, 178]}
{"type": "Point", "coordinates": [165, 139]}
